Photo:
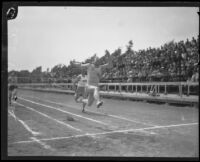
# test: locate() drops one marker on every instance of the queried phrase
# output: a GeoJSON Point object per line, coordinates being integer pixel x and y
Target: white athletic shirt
{"type": "Point", "coordinates": [83, 81]}
{"type": "Point", "coordinates": [93, 75]}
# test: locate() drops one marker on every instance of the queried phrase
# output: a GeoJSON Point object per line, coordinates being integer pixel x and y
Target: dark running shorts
{"type": "Point", "coordinates": [12, 87]}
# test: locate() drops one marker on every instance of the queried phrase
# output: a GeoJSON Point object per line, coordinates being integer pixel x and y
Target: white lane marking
{"type": "Point", "coordinates": [24, 124]}
{"type": "Point", "coordinates": [11, 113]}
{"type": "Point", "coordinates": [58, 121]}
{"type": "Point", "coordinates": [113, 116]}
{"type": "Point", "coordinates": [42, 144]}
{"type": "Point", "coordinates": [111, 132]}
{"type": "Point", "coordinates": [54, 138]}
{"type": "Point", "coordinates": [134, 121]}
{"type": "Point", "coordinates": [148, 132]}
{"type": "Point", "coordinates": [67, 112]}
{"type": "Point", "coordinates": [32, 132]}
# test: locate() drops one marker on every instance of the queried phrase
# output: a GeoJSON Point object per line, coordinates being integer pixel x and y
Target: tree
{"type": "Point", "coordinates": [24, 76]}
{"type": "Point", "coordinates": [130, 45]}
{"type": "Point", "coordinates": [91, 59]}
{"type": "Point", "coordinates": [129, 50]}
{"type": "Point", "coordinates": [117, 52]}
{"type": "Point", "coordinates": [57, 70]}
{"type": "Point", "coordinates": [36, 74]}
{"type": "Point", "coordinates": [107, 53]}
{"type": "Point", "coordinates": [37, 71]}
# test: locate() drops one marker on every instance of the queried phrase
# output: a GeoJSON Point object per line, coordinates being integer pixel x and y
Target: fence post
{"type": "Point", "coordinates": [165, 89]}
{"type": "Point", "coordinates": [156, 88]}
{"type": "Point", "coordinates": [180, 90]}
{"type": "Point", "coordinates": [136, 88]}
{"type": "Point", "coordinates": [188, 91]}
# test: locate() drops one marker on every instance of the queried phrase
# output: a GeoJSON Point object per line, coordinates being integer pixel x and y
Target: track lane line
{"type": "Point", "coordinates": [24, 124]}
{"type": "Point", "coordinates": [67, 112]}
{"type": "Point", "coordinates": [58, 121]}
{"type": "Point", "coordinates": [113, 116]}
{"type": "Point", "coordinates": [44, 145]}
{"type": "Point", "coordinates": [111, 132]}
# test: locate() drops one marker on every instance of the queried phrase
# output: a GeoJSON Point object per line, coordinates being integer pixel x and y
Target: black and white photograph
{"type": "Point", "coordinates": [102, 81]}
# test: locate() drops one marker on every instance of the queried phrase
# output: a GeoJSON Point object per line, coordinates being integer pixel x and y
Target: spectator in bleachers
{"type": "Point", "coordinates": [174, 61]}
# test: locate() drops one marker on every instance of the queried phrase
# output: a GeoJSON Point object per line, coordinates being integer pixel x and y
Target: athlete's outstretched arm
{"type": "Point", "coordinates": [85, 65]}
{"type": "Point", "coordinates": [109, 64]}
{"type": "Point", "coordinates": [81, 64]}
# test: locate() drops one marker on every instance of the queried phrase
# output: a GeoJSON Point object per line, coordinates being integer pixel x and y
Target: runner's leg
{"type": "Point", "coordinates": [97, 97]}
{"type": "Point", "coordinates": [78, 94]}
{"type": "Point", "coordinates": [15, 94]}
{"type": "Point", "coordinates": [90, 98]}
{"type": "Point", "coordinates": [96, 94]}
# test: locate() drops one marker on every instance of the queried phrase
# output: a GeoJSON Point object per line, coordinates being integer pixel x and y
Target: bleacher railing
{"type": "Point", "coordinates": [179, 88]}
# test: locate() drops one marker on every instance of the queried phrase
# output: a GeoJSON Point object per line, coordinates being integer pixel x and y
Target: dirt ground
{"type": "Point", "coordinates": [158, 130]}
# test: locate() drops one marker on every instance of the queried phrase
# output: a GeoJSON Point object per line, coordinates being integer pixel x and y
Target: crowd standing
{"type": "Point", "coordinates": [174, 61]}
{"type": "Point", "coordinates": [171, 62]}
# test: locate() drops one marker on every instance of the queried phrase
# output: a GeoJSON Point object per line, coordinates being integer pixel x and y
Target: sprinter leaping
{"type": "Point", "coordinates": [94, 73]}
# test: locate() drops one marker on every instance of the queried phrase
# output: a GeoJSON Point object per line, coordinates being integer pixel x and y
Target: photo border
{"type": "Point", "coordinates": [4, 72]}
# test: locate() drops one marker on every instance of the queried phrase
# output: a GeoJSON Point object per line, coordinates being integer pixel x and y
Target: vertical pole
{"type": "Point", "coordinates": [147, 88]}
{"type": "Point", "coordinates": [136, 88]}
{"type": "Point", "coordinates": [165, 89]}
{"type": "Point", "coordinates": [188, 91]}
{"type": "Point", "coordinates": [180, 90]}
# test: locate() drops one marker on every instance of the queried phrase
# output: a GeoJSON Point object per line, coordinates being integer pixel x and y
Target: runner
{"type": "Point", "coordinates": [12, 89]}
{"type": "Point", "coordinates": [94, 73]}
{"type": "Point", "coordinates": [81, 86]}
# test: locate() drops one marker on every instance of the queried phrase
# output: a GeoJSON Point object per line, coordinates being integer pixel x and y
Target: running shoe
{"type": "Point", "coordinates": [99, 104]}
{"type": "Point", "coordinates": [15, 98]}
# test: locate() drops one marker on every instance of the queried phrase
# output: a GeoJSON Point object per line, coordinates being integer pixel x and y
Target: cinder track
{"type": "Point", "coordinates": [119, 128]}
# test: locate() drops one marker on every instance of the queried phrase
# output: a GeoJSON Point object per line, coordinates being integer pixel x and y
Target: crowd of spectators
{"type": "Point", "coordinates": [174, 61]}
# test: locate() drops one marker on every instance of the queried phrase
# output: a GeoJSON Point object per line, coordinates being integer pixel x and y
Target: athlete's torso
{"type": "Point", "coordinates": [83, 81]}
{"type": "Point", "coordinates": [93, 75]}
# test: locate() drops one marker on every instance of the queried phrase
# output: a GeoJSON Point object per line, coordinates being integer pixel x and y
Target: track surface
{"type": "Point", "coordinates": [52, 124]}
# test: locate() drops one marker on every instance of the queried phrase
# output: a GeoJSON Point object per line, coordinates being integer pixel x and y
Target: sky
{"type": "Point", "coordinates": [47, 36]}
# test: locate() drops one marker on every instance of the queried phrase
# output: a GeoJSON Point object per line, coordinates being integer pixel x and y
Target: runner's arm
{"type": "Point", "coordinates": [81, 64]}
{"type": "Point", "coordinates": [109, 64]}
